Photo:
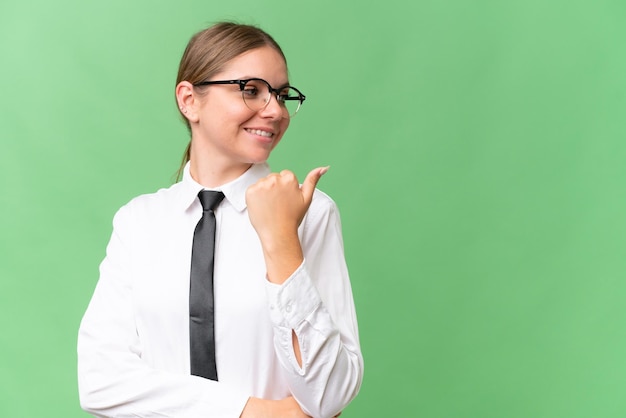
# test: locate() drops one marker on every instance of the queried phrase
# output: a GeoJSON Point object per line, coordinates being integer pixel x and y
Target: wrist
{"type": "Point", "coordinates": [255, 408]}
{"type": "Point", "coordinates": [274, 242]}
{"type": "Point", "coordinates": [283, 255]}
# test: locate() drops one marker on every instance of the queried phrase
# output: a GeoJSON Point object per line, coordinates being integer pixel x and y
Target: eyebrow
{"type": "Point", "coordinates": [283, 85]}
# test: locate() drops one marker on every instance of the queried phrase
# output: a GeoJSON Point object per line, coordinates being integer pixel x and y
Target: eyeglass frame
{"type": "Point", "coordinates": [242, 84]}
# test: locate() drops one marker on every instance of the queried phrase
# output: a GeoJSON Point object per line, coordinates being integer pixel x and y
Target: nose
{"type": "Point", "coordinates": [274, 109]}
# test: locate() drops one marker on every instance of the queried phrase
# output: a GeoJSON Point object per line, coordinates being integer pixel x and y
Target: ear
{"type": "Point", "coordinates": [187, 101]}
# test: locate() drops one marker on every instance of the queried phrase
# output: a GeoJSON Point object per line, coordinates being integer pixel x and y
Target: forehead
{"type": "Point", "coordinates": [264, 62]}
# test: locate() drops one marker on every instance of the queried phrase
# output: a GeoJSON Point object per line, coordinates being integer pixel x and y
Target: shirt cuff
{"type": "Point", "coordinates": [293, 301]}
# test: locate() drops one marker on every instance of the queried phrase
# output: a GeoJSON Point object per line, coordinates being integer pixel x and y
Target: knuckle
{"type": "Point", "coordinates": [288, 175]}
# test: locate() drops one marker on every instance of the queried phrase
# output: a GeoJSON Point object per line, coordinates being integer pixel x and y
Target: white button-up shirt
{"type": "Point", "coordinates": [133, 342]}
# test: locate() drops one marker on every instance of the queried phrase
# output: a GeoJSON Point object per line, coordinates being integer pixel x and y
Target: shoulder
{"type": "Point", "coordinates": [322, 207]}
{"type": "Point", "coordinates": [322, 223]}
{"type": "Point", "coordinates": [321, 199]}
{"type": "Point", "coordinates": [158, 203]}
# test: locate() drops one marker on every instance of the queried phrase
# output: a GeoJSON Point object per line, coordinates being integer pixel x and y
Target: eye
{"type": "Point", "coordinates": [286, 94]}
{"type": "Point", "coordinates": [255, 89]}
{"type": "Point", "coordinates": [250, 91]}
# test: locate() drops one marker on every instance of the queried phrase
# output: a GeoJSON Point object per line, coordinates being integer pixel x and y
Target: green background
{"type": "Point", "coordinates": [477, 156]}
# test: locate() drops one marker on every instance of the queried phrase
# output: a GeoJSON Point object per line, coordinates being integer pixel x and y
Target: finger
{"type": "Point", "coordinates": [308, 186]}
{"type": "Point", "coordinates": [288, 175]}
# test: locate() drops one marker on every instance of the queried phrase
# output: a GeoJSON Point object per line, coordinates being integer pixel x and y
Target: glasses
{"type": "Point", "coordinates": [257, 94]}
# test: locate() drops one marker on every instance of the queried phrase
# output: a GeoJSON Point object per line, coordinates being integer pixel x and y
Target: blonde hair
{"type": "Point", "coordinates": [209, 50]}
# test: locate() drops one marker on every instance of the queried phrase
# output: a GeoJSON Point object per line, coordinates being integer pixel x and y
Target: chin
{"type": "Point", "coordinates": [259, 157]}
{"type": "Point", "coordinates": [255, 159]}
{"type": "Point", "coordinates": [259, 160]}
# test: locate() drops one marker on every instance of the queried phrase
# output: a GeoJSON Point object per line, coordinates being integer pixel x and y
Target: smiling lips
{"type": "Point", "coordinates": [260, 132]}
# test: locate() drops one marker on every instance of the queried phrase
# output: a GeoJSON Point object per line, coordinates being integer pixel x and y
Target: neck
{"type": "Point", "coordinates": [212, 174]}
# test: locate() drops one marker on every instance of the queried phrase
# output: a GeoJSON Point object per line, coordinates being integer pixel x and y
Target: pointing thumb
{"type": "Point", "coordinates": [308, 186]}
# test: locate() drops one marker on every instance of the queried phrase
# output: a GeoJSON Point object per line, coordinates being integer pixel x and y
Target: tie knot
{"type": "Point", "coordinates": [210, 199]}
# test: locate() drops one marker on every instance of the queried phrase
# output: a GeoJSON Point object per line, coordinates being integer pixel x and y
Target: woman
{"type": "Point", "coordinates": [284, 325]}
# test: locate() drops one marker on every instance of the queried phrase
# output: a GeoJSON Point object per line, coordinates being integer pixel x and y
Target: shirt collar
{"type": "Point", "coordinates": [234, 191]}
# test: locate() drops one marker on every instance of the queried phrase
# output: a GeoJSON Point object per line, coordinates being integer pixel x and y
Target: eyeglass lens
{"type": "Point", "coordinates": [257, 95]}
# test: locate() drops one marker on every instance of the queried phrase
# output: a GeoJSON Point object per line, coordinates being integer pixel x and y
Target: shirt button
{"type": "Point", "coordinates": [288, 307]}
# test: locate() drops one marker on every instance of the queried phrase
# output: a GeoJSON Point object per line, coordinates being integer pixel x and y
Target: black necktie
{"type": "Point", "coordinates": [201, 326]}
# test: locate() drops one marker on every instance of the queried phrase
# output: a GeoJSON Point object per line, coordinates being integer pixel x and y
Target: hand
{"type": "Point", "coordinates": [277, 204]}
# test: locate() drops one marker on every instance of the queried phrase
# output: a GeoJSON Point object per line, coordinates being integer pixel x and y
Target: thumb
{"type": "Point", "coordinates": [309, 183]}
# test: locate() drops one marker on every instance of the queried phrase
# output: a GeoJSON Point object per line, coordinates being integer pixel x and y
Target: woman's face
{"type": "Point", "coordinates": [227, 132]}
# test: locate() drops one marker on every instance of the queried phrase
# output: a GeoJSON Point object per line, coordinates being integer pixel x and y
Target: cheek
{"type": "Point", "coordinates": [283, 127]}
{"type": "Point", "coordinates": [235, 113]}
{"type": "Point", "coordinates": [228, 111]}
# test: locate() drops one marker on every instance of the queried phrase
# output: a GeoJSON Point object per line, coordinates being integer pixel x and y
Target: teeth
{"type": "Point", "coordinates": [260, 132]}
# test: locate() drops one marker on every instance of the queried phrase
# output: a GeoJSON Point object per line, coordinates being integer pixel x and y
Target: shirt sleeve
{"type": "Point", "coordinates": [316, 302]}
{"type": "Point", "coordinates": [113, 379]}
